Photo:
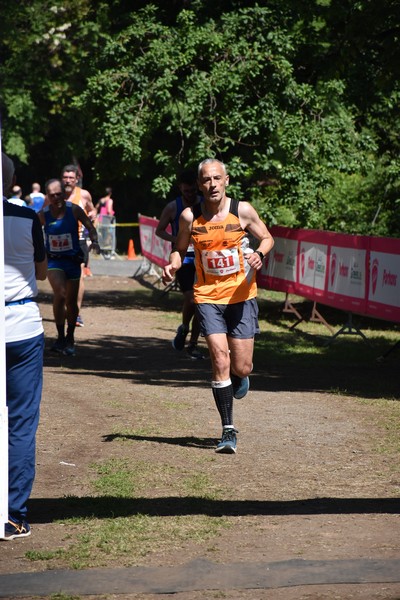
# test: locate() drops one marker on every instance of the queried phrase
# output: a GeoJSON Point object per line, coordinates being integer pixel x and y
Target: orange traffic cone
{"type": "Point", "coordinates": [131, 251]}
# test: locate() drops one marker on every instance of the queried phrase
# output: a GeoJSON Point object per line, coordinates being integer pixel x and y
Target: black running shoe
{"type": "Point", "coordinates": [178, 343]}
{"type": "Point", "coordinates": [58, 346]}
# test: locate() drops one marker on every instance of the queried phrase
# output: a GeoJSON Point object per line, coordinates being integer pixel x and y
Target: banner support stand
{"type": "Point", "coordinates": [146, 268]}
{"type": "Point", "coordinates": [348, 329]}
{"type": "Point", "coordinates": [316, 317]}
{"type": "Point", "coordinates": [289, 308]}
{"type": "Point", "coordinates": [171, 287]}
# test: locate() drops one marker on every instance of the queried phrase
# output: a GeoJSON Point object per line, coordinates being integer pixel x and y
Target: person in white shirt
{"type": "Point", "coordinates": [16, 196]}
{"type": "Point", "coordinates": [24, 262]}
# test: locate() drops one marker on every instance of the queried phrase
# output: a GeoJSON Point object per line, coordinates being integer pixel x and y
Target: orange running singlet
{"type": "Point", "coordinates": [222, 273]}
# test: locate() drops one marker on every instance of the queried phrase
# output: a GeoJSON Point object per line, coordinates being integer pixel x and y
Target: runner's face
{"type": "Point", "coordinates": [55, 194]}
{"type": "Point", "coordinates": [69, 180]}
{"type": "Point", "coordinates": [189, 192]}
{"type": "Point", "coordinates": [212, 182]}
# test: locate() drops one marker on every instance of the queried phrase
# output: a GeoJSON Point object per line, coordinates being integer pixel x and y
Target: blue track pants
{"type": "Point", "coordinates": [24, 373]}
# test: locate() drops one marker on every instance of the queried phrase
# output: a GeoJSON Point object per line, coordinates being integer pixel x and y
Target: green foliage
{"type": "Point", "coordinates": [45, 53]}
{"type": "Point", "coordinates": [300, 100]}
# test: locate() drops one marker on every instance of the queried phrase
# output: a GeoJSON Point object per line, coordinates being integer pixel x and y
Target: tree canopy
{"type": "Point", "coordinates": [300, 99]}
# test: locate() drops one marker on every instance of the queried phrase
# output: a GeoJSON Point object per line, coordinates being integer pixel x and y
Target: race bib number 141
{"type": "Point", "coordinates": [220, 262]}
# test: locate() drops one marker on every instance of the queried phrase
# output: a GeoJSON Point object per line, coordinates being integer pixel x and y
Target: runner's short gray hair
{"type": "Point", "coordinates": [208, 161]}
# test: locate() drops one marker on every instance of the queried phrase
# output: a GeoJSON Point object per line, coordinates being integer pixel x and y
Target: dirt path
{"type": "Point", "coordinates": [307, 481]}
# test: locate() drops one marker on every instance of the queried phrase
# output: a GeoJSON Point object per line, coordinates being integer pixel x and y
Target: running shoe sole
{"type": "Point", "coordinates": [241, 391]}
{"type": "Point", "coordinates": [225, 449]}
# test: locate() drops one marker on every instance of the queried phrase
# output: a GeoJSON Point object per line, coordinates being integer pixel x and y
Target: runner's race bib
{"type": "Point", "coordinates": [220, 262]}
{"type": "Point", "coordinates": [60, 243]}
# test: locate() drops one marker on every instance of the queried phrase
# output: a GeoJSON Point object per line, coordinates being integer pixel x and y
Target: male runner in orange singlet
{"type": "Point", "coordinates": [225, 289]}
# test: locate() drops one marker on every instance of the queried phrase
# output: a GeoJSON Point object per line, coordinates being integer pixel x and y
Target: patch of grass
{"type": "Point", "coordinates": [116, 477]}
{"type": "Point", "coordinates": [308, 357]}
{"type": "Point", "coordinates": [35, 555]}
{"type": "Point", "coordinates": [110, 537]}
{"type": "Point", "coordinates": [392, 426]}
{"type": "Point", "coordinates": [127, 434]}
{"type": "Point", "coordinates": [199, 484]}
{"type": "Point", "coordinates": [122, 478]}
{"type": "Point", "coordinates": [388, 420]}
{"type": "Point", "coordinates": [124, 541]}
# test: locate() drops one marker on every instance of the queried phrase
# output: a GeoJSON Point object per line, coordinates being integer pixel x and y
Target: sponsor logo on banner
{"type": "Point", "coordinates": [291, 260]}
{"type": "Point", "coordinates": [333, 268]}
{"type": "Point", "coordinates": [389, 278]}
{"type": "Point", "coordinates": [375, 269]}
{"type": "Point", "coordinates": [356, 274]}
{"type": "Point", "coordinates": [343, 270]}
{"type": "Point", "coordinates": [320, 268]}
{"type": "Point", "coordinates": [384, 282]}
{"type": "Point", "coordinates": [302, 262]}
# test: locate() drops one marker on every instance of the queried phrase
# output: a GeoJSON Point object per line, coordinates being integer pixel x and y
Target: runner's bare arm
{"type": "Point", "coordinates": [250, 220]}
{"type": "Point", "coordinates": [181, 246]}
{"type": "Point", "coordinates": [167, 215]}
{"type": "Point", "coordinates": [41, 269]}
{"type": "Point", "coordinates": [81, 216]}
{"type": "Point", "coordinates": [89, 207]}
{"type": "Point", "coordinates": [41, 217]}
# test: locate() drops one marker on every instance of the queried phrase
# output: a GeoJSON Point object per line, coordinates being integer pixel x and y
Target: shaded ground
{"type": "Point", "coordinates": [307, 483]}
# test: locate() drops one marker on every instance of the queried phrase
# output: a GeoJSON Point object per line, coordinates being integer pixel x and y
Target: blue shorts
{"type": "Point", "coordinates": [71, 268]}
{"type": "Point", "coordinates": [238, 320]}
{"type": "Point", "coordinates": [185, 276]}
{"type": "Point", "coordinates": [85, 251]}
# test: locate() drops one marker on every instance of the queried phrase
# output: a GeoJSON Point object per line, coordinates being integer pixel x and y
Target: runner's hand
{"type": "Point", "coordinates": [95, 247]}
{"type": "Point", "coordinates": [168, 274]}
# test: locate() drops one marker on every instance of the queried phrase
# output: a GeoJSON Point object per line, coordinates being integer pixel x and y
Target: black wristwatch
{"type": "Point", "coordinates": [260, 254]}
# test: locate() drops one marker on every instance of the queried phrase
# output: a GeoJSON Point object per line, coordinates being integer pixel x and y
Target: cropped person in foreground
{"type": "Point", "coordinates": [24, 262]}
{"type": "Point", "coordinates": [225, 289]}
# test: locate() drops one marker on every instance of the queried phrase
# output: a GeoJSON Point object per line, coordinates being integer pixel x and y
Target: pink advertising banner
{"type": "Point", "coordinates": [152, 247]}
{"type": "Point", "coordinates": [359, 274]}
{"type": "Point", "coordinates": [384, 279]}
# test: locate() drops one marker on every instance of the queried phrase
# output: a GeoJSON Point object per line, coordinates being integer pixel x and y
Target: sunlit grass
{"type": "Point", "coordinates": [389, 420]}
{"type": "Point", "coordinates": [124, 540]}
